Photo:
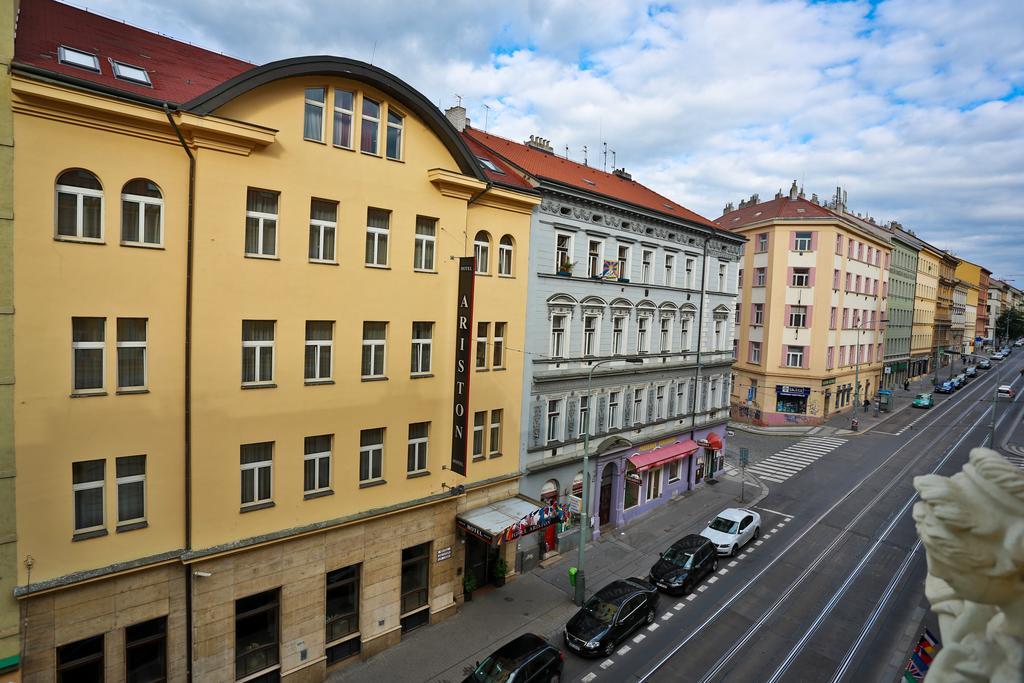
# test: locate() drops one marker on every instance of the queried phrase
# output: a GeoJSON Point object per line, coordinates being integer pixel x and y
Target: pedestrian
{"type": "Point", "coordinates": [906, 385]}
{"type": "Point", "coordinates": [867, 404]}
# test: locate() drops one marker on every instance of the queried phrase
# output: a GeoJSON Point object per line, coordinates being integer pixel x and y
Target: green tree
{"type": "Point", "coordinates": [1010, 324]}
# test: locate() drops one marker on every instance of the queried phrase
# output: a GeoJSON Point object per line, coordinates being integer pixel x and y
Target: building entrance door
{"type": "Point", "coordinates": [480, 560]}
{"type": "Point", "coordinates": [605, 504]}
{"type": "Point", "coordinates": [828, 401]}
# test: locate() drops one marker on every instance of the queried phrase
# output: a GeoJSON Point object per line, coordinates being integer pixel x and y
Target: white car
{"type": "Point", "coordinates": [732, 529]}
{"type": "Point", "coordinates": [1004, 391]}
{"type": "Point", "coordinates": [998, 355]}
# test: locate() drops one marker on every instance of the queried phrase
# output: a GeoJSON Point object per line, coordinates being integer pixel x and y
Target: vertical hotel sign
{"type": "Point", "coordinates": [463, 348]}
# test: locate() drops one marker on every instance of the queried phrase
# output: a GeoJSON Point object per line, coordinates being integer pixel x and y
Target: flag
{"type": "Point", "coordinates": [610, 270]}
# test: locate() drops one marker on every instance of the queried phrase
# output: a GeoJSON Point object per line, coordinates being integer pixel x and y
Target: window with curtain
{"type": "Point", "coordinates": [131, 489]}
{"type": "Point", "coordinates": [316, 464]}
{"type": "Point", "coordinates": [426, 235]}
{"type": "Point", "coordinates": [498, 345]}
{"type": "Point", "coordinates": [482, 252]}
{"type": "Point", "coordinates": [257, 351]}
{"type": "Point", "coordinates": [614, 409]}
{"type": "Point", "coordinates": [370, 141]}
{"type": "Point", "coordinates": [479, 435]}
{"type": "Point", "coordinates": [482, 333]}
{"type": "Point", "coordinates": [638, 406]}
{"type": "Point", "coordinates": [261, 223]}
{"type": "Point", "coordinates": [87, 488]}
{"type": "Point", "coordinates": [142, 208]}
{"type": "Point", "coordinates": [344, 106]}
{"type": "Point", "coordinates": [377, 231]}
{"type": "Point", "coordinates": [87, 343]}
{"type": "Point", "coordinates": [313, 118]}
{"type": "Point", "coordinates": [558, 323]}
{"type": "Point", "coordinates": [554, 421]}
{"type": "Point", "coordinates": [131, 353]}
{"type": "Point", "coordinates": [589, 335]}
{"type": "Point", "coordinates": [371, 454]}
{"type": "Point", "coordinates": [374, 348]}
{"type": "Point", "coordinates": [319, 349]}
{"type": "Point", "coordinates": [323, 224]}
{"type": "Point", "coordinates": [418, 442]}
{"type": "Point", "coordinates": [257, 461]}
{"type": "Point", "coordinates": [422, 346]}
{"type": "Point", "coordinates": [396, 126]}
{"type": "Point", "coordinates": [79, 205]}
{"type": "Point", "coordinates": [505, 252]}
{"type": "Point", "coordinates": [495, 436]}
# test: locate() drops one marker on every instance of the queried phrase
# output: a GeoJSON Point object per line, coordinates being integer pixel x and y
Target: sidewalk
{"type": "Point", "coordinates": [541, 601]}
{"type": "Point", "coordinates": [840, 423]}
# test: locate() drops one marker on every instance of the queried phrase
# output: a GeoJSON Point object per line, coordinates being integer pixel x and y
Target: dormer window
{"type": "Point", "coordinates": [490, 166]}
{"type": "Point", "coordinates": [127, 72]}
{"type": "Point", "coordinates": [83, 60]}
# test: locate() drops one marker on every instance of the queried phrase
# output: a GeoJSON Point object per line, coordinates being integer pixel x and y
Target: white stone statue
{"type": "Point", "coordinates": [972, 526]}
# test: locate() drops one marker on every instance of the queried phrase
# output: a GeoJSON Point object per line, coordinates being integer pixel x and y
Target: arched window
{"type": "Point", "coordinates": [142, 213]}
{"type": "Point", "coordinates": [505, 251]}
{"type": "Point", "coordinates": [482, 252]}
{"type": "Point", "coordinates": [549, 492]}
{"type": "Point", "coordinates": [79, 205]}
{"type": "Point", "coordinates": [577, 485]}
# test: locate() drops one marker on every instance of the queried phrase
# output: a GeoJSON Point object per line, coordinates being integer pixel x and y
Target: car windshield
{"type": "Point", "coordinates": [726, 526]}
{"type": "Point", "coordinates": [600, 609]}
{"type": "Point", "coordinates": [494, 670]}
{"type": "Point", "coordinates": [678, 557]}
{"type": "Point", "coordinates": [924, 396]}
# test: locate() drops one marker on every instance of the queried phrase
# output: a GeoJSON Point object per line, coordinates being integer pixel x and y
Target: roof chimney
{"type": "Point", "coordinates": [793, 192]}
{"type": "Point", "coordinates": [814, 198]}
{"type": "Point", "coordinates": [801, 195]}
{"type": "Point", "coordinates": [778, 195]}
{"type": "Point", "coordinates": [754, 199]}
{"type": "Point", "coordinates": [621, 172]}
{"type": "Point", "coordinates": [457, 117]}
{"type": "Point", "coordinates": [729, 208]}
{"type": "Point", "coordinates": [540, 143]}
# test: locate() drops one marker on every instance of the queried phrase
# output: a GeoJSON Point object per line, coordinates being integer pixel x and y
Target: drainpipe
{"type": "Point", "coordinates": [700, 336]}
{"type": "Point", "coordinates": [189, 268]}
{"type": "Point", "coordinates": [472, 200]}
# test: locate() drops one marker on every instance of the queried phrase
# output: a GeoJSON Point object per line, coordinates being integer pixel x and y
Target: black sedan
{"type": "Point", "coordinates": [684, 564]}
{"type": "Point", "coordinates": [527, 658]}
{"type": "Point", "coordinates": [610, 616]}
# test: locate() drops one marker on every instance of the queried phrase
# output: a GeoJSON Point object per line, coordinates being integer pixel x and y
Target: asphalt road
{"type": "Point", "coordinates": [827, 593]}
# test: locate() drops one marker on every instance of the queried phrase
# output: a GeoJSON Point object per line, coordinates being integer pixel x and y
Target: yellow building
{"type": "Point", "coordinates": [970, 275]}
{"type": "Point", "coordinates": [811, 305]}
{"type": "Point", "coordinates": [237, 290]}
{"type": "Point", "coordinates": [922, 342]}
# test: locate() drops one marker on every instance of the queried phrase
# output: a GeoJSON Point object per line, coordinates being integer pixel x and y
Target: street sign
{"type": "Point", "coordinates": [750, 394]}
{"type": "Point", "coordinates": [744, 456]}
{"type": "Point", "coordinates": [575, 504]}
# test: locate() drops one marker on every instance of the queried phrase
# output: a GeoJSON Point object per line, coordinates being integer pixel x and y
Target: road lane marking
{"type": "Point", "coordinates": [639, 637]}
{"type": "Point", "coordinates": [623, 650]}
{"type": "Point", "coordinates": [652, 628]}
{"type": "Point", "coordinates": [773, 531]}
{"type": "Point", "coordinates": [776, 512]}
{"type": "Point", "coordinates": [691, 597]}
{"type": "Point", "coordinates": [758, 542]}
{"type": "Point", "coordinates": [589, 677]}
{"type": "Point", "coordinates": [666, 616]}
{"type": "Point", "coordinates": [723, 571]}
{"type": "Point", "coordinates": [606, 663]}
{"type": "Point", "coordinates": [680, 605]}
{"type": "Point", "coordinates": [702, 588]}
{"type": "Point", "coordinates": [733, 563]}
{"type": "Point", "coordinates": [713, 579]}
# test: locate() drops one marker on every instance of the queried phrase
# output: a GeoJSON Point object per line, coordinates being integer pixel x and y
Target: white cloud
{"type": "Point", "coordinates": [706, 101]}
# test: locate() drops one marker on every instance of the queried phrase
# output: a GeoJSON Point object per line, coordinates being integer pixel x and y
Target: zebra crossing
{"type": "Point", "coordinates": [793, 459]}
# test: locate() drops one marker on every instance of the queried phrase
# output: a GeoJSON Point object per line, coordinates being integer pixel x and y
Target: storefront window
{"type": "Point", "coordinates": [256, 621]}
{"type": "Point", "coordinates": [342, 613]}
{"type": "Point", "coordinates": [145, 651]}
{"type": "Point", "coordinates": [791, 404]}
{"type": "Point", "coordinates": [631, 495]}
{"type": "Point", "coordinates": [414, 583]}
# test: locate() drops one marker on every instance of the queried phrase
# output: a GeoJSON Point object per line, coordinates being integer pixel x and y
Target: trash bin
{"type": "Point", "coordinates": [572, 576]}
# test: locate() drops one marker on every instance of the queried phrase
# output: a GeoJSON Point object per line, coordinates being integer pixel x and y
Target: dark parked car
{"type": "Point", "coordinates": [610, 616]}
{"type": "Point", "coordinates": [984, 364]}
{"type": "Point", "coordinates": [684, 564]}
{"type": "Point", "coordinates": [946, 387]}
{"type": "Point", "coordinates": [971, 371]}
{"type": "Point", "coordinates": [527, 658]}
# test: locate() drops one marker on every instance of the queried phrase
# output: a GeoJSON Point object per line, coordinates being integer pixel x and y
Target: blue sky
{"type": "Point", "coordinates": [916, 108]}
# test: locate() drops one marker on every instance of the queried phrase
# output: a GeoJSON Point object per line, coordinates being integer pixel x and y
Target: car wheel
{"type": "Point", "coordinates": [714, 565]}
{"type": "Point", "coordinates": [609, 649]}
{"type": "Point", "coordinates": [650, 617]}
{"type": "Point", "coordinates": [757, 532]}
{"type": "Point", "coordinates": [555, 678]}
{"type": "Point", "coordinates": [732, 553]}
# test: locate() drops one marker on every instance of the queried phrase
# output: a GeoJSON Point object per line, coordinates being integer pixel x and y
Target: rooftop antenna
{"type": "Point", "coordinates": [604, 160]}
{"type": "Point", "coordinates": [567, 151]}
{"type": "Point", "coordinates": [613, 158]}
{"type": "Point", "coordinates": [458, 100]}
{"type": "Point", "coordinates": [487, 111]}
{"type": "Point", "coordinates": [373, 53]}
{"type": "Point", "coordinates": [585, 156]}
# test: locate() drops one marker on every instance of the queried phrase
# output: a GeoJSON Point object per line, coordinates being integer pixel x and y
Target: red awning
{"type": "Point", "coordinates": [660, 456]}
{"type": "Point", "coordinates": [714, 441]}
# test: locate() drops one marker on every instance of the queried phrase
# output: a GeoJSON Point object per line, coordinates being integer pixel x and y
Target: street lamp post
{"type": "Point", "coordinates": [581, 586]}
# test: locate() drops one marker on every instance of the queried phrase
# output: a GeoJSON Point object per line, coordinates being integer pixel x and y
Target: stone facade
{"type": "Point", "coordinates": [900, 312]}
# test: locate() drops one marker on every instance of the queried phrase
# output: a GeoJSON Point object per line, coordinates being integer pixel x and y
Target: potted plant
{"type": "Point", "coordinates": [565, 267]}
{"type": "Point", "coordinates": [500, 570]}
{"type": "Point", "coordinates": [468, 586]}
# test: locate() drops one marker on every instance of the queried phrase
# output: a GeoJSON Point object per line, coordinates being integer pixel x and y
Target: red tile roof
{"type": "Point", "coordinates": [783, 207]}
{"type": "Point", "coordinates": [178, 71]}
{"type": "Point", "coordinates": [508, 176]}
{"type": "Point", "coordinates": [552, 167]}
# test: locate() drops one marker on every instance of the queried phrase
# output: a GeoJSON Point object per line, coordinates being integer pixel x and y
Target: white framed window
{"type": "Point", "coordinates": [374, 349]}
{"type": "Point", "coordinates": [419, 442]}
{"type": "Point", "coordinates": [594, 264]}
{"type": "Point", "coordinates": [131, 353]}
{"type": "Point", "coordinates": [583, 424]}
{"type": "Point", "coordinates": [370, 129]}
{"type": "Point", "coordinates": [498, 346]}
{"type": "Point", "coordinates": [479, 433]}
{"type": "Point", "coordinates": [653, 484]}
{"type": "Point", "coordinates": [378, 222]}
{"type": "Point", "coordinates": [344, 105]}
{"type": "Point", "coordinates": [638, 406]}
{"type": "Point", "coordinates": [797, 316]}
{"type": "Point", "coordinates": [755, 352]}
{"type": "Point", "coordinates": [719, 338]}
{"type": "Point", "coordinates": [316, 463]}
{"type": "Point", "coordinates": [721, 276]}
{"type": "Point", "coordinates": [713, 393]}
{"type": "Point", "coordinates": [646, 265]}
{"type": "Point", "coordinates": [142, 214]}
{"type": "Point", "coordinates": [257, 462]}
{"type": "Point", "coordinates": [690, 265]}
{"type": "Point", "coordinates": [762, 242]}
{"type": "Point", "coordinates": [506, 250]}
{"type": "Point", "coordinates": [494, 438]}
{"type": "Point", "coordinates": [623, 258]}
{"type": "Point", "coordinates": [563, 252]}
{"type": "Point", "coordinates": [758, 317]}
{"type": "Point", "coordinates": [673, 468]}
{"type": "Point", "coordinates": [643, 342]}
{"type": "Point", "coordinates": [680, 398]}
{"type": "Point", "coordinates": [257, 352]}
{"type": "Point", "coordinates": [313, 114]}
{"type": "Point", "coordinates": [127, 72]}
{"type": "Point", "coordinates": [659, 402]}
{"type": "Point", "coordinates": [482, 252]}
{"type": "Point", "coordinates": [78, 211]}
{"type": "Point", "coordinates": [794, 356]}
{"type": "Point", "coordinates": [319, 350]}
{"type": "Point", "coordinates": [396, 126]}
{"type": "Point", "coordinates": [87, 349]}
{"type": "Point", "coordinates": [614, 409]}
{"type": "Point", "coordinates": [323, 228]}
{"type": "Point", "coordinates": [559, 331]}
{"type": "Point", "coordinates": [371, 455]}
{"type": "Point", "coordinates": [590, 335]}
{"type": "Point", "coordinates": [554, 421]}
{"type": "Point", "coordinates": [665, 338]}
{"type": "Point", "coordinates": [619, 334]}
{"type": "Point", "coordinates": [422, 348]}
{"type": "Point", "coordinates": [802, 241]}
{"type": "Point", "coordinates": [426, 236]}
{"type": "Point", "coordinates": [131, 489]}
{"type": "Point", "coordinates": [482, 333]}
{"type": "Point", "coordinates": [670, 265]}
{"type": "Point", "coordinates": [261, 223]}
{"type": "Point", "coordinates": [801, 277]}
{"type": "Point", "coordinates": [87, 489]}
{"type": "Point", "coordinates": [686, 320]}
{"type": "Point", "coordinates": [79, 58]}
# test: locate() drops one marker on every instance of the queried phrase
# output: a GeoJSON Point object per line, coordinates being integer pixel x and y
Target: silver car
{"type": "Point", "coordinates": [732, 529]}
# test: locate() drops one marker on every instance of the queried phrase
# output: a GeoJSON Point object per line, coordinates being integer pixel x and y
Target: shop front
{"type": "Point", "coordinates": [791, 400]}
